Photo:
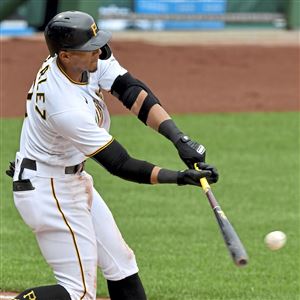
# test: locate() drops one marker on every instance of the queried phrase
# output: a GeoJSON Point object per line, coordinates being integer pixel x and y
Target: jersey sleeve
{"type": "Point", "coordinates": [109, 70]}
{"type": "Point", "coordinates": [81, 130]}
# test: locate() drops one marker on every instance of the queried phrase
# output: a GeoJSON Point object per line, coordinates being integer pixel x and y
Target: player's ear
{"type": "Point", "coordinates": [64, 56]}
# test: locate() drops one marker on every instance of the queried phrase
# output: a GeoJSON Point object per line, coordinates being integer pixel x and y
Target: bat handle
{"type": "Point", "coordinates": [205, 185]}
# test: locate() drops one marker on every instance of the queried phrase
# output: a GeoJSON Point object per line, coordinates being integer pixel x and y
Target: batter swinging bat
{"type": "Point", "coordinates": [232, 241]}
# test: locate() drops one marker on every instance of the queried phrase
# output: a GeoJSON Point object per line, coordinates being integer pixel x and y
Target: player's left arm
{"type": "Point", "coordinates": [115, 159]}
{"type": "Point", "coordinates": [137, 96]}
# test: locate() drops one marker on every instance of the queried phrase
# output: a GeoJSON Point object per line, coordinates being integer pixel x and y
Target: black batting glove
{"type": "Point", "coordinates": [214, 177]}
{"type": "Point", "coordinates": [192, 177]}
{"type": "Point", "coordinates": [189, 151]}
{"type": "Point", "coordinates": [11, 171]}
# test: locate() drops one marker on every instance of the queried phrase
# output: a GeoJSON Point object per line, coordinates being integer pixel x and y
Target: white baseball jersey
{"type": "Point", "coordinates": [67, 121]}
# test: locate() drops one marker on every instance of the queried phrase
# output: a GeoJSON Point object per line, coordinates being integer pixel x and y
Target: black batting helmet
{"type": "Point", "coordinates": [76, 30]}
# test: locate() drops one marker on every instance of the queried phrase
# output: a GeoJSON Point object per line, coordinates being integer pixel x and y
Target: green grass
{"type": "Point", "coordinates": [172, 230]}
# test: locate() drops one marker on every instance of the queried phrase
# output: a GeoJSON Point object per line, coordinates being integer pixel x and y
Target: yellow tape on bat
{"type": "Point", "coordinates": [205, 185]}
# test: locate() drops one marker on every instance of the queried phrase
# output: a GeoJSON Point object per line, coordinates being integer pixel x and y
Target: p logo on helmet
{"type": "Point", "coordinates": [94, 29]}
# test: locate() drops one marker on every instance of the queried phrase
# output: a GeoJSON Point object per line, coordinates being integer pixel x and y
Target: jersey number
{"type": "Point", "coordinates": [40, 97]}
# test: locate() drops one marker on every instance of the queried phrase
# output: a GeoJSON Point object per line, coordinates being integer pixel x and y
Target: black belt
{"type": "Point", "coordinates": [74, 169]}
{"type": "Point", "coordinates": [31, 165]}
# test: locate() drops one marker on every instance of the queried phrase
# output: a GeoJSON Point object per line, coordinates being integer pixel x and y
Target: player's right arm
{"type": "Point", "coordinates": [82, 131]}
{"type": "Point", "coordinates": [139, 99]}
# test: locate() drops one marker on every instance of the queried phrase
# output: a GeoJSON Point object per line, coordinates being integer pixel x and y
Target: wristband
{"type": "Point", "coordinates": [167, 176]}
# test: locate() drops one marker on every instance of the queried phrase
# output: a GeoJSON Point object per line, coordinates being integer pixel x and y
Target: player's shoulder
{"type": "Point", "coordinates": [107, 64]}
{"type": "Point", "coordinates": [108, 70]}
{"type": "Point", "coordinates": [59, 92]}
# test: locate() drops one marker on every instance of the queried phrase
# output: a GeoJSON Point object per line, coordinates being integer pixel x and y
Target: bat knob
{"type": "Point", "coordinates": [242, 262]}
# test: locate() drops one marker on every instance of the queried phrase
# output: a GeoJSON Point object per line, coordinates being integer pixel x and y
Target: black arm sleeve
{"type": "Point", "coordinates": [118, 162]}
{"type": "Point", "coordinates": [127, 88]}
{"type": "Point", "coordinates": [169, 129]}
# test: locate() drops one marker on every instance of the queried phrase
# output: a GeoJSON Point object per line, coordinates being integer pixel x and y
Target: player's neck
{"type": "Point", "coordinates": [74, 75]}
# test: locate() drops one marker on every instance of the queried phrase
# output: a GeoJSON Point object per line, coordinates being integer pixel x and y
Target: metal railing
{"type": "Point", "coordinates": [227, 17]}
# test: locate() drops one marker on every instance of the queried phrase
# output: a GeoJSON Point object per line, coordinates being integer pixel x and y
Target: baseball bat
{"type": "Point", "coordinates": [232, 241]}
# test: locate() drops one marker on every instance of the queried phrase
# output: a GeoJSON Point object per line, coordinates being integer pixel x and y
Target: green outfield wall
{"type": "Point", "coordinates": [244, 6]}
{"type": "Point", "coordinates": [293, 13]}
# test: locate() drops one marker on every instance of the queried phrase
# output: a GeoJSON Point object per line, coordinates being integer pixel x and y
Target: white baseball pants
{"type": "Point", "coordinates": [75, 230]}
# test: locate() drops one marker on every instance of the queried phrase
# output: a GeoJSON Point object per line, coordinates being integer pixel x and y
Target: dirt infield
{"type": "Point", "coordinates": [196, 77]}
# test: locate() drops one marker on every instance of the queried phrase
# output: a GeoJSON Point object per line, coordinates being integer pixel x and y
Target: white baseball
{"type": "Point", "coordinates": [275, 240]}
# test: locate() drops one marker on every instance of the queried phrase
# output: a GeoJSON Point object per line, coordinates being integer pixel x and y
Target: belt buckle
{"type": "Point", "coordinates": [74, 169]}
{"type": "Point", "coordinates": [79, 167]}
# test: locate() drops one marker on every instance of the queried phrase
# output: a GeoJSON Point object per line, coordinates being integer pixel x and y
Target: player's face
{"type": "Point", "coordinates": [84, 60]}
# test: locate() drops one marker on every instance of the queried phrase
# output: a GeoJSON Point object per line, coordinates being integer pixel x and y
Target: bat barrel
{"type": "Point", "coordinates": [231, 239]}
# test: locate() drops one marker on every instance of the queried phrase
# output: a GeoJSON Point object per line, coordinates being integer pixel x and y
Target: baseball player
{"type": "Point", "coordinates": [67, 122]}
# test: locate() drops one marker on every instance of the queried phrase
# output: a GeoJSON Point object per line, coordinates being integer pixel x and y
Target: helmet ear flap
{"type": "Point", "coordinates": [105, 52]}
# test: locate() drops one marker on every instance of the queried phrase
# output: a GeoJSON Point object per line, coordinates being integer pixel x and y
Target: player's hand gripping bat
{"type": "Point", "coordinates": [232, 241]}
